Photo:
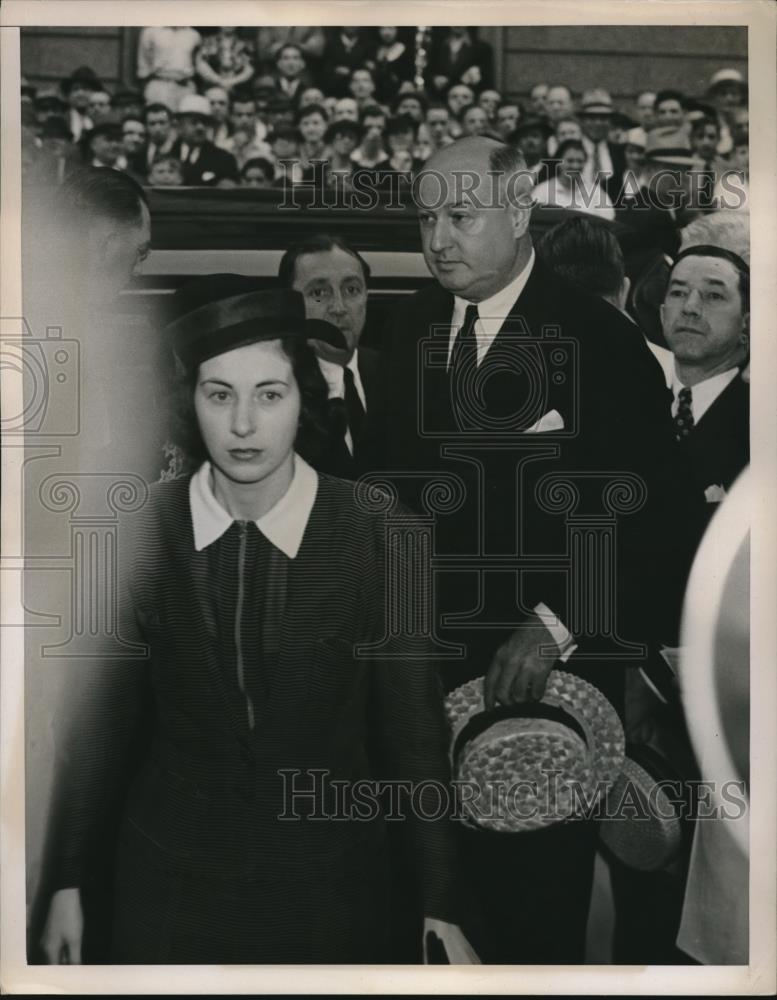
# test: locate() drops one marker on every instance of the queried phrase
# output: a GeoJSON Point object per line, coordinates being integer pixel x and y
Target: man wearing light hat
{"type": "Point", "coordinates": [660, 207]}
{"type": "Point", "coordinates": [728, 92]}
{"type": "Point", "coordinates": [204, 164]}
{"type": "Point", "coordinates": [605, 160]}
{"type": "Point", "coordinates": [634, 161]}
{"type": "Point", "coordinates": [77, 89]}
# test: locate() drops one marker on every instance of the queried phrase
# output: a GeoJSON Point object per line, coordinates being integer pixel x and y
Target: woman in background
{"type": "Point", "coordinates": [567, 189]}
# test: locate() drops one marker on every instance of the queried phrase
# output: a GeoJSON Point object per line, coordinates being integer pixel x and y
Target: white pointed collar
{"type": "Point", "coordinates": [283, 525]}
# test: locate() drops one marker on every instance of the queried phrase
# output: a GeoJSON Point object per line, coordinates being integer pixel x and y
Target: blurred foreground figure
{"type": "Point", "coordinates": [103, 403]}
{"type": "Point", "coordinates": [80, 254]}
{"type": "Point", "coordinates": [715, 677]}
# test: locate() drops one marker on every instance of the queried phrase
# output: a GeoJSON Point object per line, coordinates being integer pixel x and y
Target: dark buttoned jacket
{"type": "Point", "coordinates": [208, 798]}
{"type": "Point", "coordinates": [211, 166]}
{"type": "Point", "coordinates": [718, 447]}
{"type": "Point", "coordinates": [367, 453]}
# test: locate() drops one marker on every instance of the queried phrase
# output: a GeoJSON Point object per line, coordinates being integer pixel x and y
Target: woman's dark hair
{"type": "Point", "coordinates": [290, 45]}
{"type": "Point", "coordinates": [568, 144]}
{"type": "Point", "coordinates": [401, 125]}
{"type": "Point", "coordinates": [670, 95]}
{"type": "Point", "coordinates": [311, 109]}
{"type": "Point", "coordinates": [311, 439]}
{"type": "Point", "coordinates": [258, 162]}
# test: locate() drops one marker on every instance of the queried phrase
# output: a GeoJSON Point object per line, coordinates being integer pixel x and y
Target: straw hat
{"type": "Point", "coordinates": [537, 763]}
{"type": "Point", "coordinates": [644, 824]}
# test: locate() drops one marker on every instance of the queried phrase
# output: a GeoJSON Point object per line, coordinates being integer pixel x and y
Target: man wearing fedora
{"type": "Point", "coordinates": [531, 138]}
{"type": "Point", "coordinates": [605, 159]}
{"type": "Point", "coordinates": [204, 164]}
{"type": "Point", "coordinates": [664, 202]}
{"type": "Point", "coordinates": [728, 92]}
{"type": "Point", "coordinates": [476, 396]}
{"type": "Point", "coordinates": [77, 88]}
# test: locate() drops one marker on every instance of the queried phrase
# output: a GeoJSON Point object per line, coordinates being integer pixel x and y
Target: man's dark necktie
{"type": "Point", "coordinates": [463, 365]}
{"type": "Point", "coordinates": [353, 405]}
{"type": "Point", "coordinates": [683, 420]}
{"type": "Point", "coordinates": [465, 350]}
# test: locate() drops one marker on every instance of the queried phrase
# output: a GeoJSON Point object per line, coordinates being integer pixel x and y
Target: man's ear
{"type": "Point", "coordinates": [521, 218]}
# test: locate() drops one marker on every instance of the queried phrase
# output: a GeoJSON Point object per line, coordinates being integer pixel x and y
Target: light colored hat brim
{"type": "Point", "coordinates": [516, 751]}
{"type": "Point", "coordinates": [642, 827]}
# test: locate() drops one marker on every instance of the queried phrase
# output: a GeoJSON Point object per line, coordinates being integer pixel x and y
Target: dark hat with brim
{"type": "Point", "coordinates": [84, 75]}
{"type": "Point", "coordinates": [535, 764]}
{"type": "Point", "coordinates": [221, 312]}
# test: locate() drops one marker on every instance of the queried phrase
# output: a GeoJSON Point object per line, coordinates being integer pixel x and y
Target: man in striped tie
{"type": "Point", "coordinates": [706, 317]}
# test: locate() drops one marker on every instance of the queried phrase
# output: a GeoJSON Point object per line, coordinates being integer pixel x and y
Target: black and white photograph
{"type": "Point", "coordinates": [388, 528]}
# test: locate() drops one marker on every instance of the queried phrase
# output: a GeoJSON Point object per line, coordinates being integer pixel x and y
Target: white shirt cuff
{"type": "Point", "coordinates": [561, 634]}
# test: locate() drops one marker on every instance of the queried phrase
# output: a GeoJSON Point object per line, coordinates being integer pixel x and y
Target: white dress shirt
{"type": "Point", "coordinates": [492, 313]}
{"type": "Point", "coordinates": [605, 160]}
{"type": "Point", "coordinates": [703, 394]}
{"type": "Point", "coordinates": [167, 52]}
{"type": "Point", "coordinates": [283, 525]}
{"type": "Point", "coordinates": [335, 380]}
{"type": "Point", "coordinates": [591, 199]}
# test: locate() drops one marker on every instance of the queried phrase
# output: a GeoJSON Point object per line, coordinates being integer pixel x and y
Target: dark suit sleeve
{"type": "Point", "coordinates": [370, 449]}
{"type": "Point", "coordinates": [414, 738]}
{"type": "Point", "coordinates": [228, 166]}
{"type": "Point", "coordinates": [630, 429]}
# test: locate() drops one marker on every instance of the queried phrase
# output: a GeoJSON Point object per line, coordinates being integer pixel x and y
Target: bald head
{"type": "Point", "coordinates": [488, 169]}
{"type": "Point", "coordinates": [473, 202]}
{"type": "Point", "coordinates": [468, 153]}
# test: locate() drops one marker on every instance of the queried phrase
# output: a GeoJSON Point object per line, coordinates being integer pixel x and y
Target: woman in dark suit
{"type": "Point", "coordinates": [251, 833]}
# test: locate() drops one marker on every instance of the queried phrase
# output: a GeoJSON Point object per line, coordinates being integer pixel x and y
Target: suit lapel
{"type": "Point", "coordinates": [525, 386]}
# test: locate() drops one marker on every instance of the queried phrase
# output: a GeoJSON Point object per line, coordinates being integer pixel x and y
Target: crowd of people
{"type": "Point", "coordinates": [264, 107]}
{"type": "Point", "coordinates": [260, 572]}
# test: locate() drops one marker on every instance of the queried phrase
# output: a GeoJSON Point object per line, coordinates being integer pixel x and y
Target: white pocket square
{"type": "Point", "coordinates": [552, 421]}
{"type": "Point", "coordinates": [208, 175]}
{"type": "Point", "coordinates": [714, 494]}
